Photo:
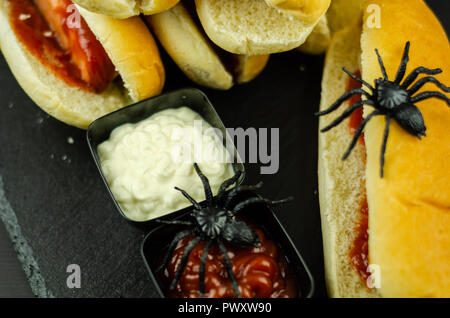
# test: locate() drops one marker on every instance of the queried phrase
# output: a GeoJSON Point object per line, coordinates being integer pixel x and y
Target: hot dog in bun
{"type": "Point", "coordinates": [77, 65]}
{"type": "Point", "coordinates": [386, 209]}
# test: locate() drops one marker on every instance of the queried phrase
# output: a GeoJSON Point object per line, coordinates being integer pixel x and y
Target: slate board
{"type": "Point", "coordinates": [63, 212]}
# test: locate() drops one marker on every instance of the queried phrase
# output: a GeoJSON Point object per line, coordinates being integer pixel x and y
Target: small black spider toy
{"type": "Point", "coordinates": [215, 223]}
{"type": "Point", "coordinates": [392, 99]}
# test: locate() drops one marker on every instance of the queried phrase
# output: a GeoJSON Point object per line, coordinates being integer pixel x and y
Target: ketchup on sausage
{"type": "Point", "coordinates": [54, 32]}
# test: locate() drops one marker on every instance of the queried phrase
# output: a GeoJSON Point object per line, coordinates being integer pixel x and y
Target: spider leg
{"type": "Point", "coordinates": [383, 69]}
{"type": "Point", "coordinates": [358, 133]}
{"type": "Point", "coordinates": [425, 80]}
{"type": "Point", "coordinates": [358, 79]}
{"type": "Point", "coordinates": [415, 73]}
{"type": "Point", "coordinates": [242, 205]}
{"type": "Point", "coordinates": [183, 262]}
{"type": "Point", "coordinates": [342, 99]}
{"type": "Point", "coordinates": [383, 147]}
{"type": "Point", "coordinates": [224, 186]}
{"type": "Point", "coordinates": [347, 113]}
{"type": "Point", "coordinates": [229, 267]}
{"type": "Point", "coordinates": [172, 247]}
{"type": "Point", "coordinates": [187, 196]}
{"type": "Point", "coordinates": [404, 63]}
{"type": "Point", "coordinates": [426, 95]}
{"type": "Point", "coordinates": [239, 189]}
{"type": "Point", "coordinates": [201, 277]}
{"type": "Point", "coordinates": [205, 181]}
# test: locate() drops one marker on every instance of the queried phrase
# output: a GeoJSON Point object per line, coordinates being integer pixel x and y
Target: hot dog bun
{"type": "Point", "coordinates": [409, 208]}
{"type": "Point", "coordinates": [122, 9]}
{"type": "Point", "coordinates": [184, 40]}
{"type": "Point", "coordinates": [253, 27]}
{"type": "Point", "coordinates": [319, 39]}
{"type": "Point", "coordinates": [129, 45]}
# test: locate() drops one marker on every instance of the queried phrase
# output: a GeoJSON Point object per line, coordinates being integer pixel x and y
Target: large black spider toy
{"type": "Point", "coordinates": [215, 223]}
{"type": "Point", "coordinates": [392, 99]}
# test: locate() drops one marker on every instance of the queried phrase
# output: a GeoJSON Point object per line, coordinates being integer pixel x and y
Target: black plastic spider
{"type": "Point", "coordinates": [392, 99]}
{"type": "Point", "coordinates": [215, 223]}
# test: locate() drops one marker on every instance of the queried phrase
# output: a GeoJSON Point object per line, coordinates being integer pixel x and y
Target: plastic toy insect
{"type": "Point", "coordinates": [215, 223]}
{"type": "Point", "coordinates": [392, 99]}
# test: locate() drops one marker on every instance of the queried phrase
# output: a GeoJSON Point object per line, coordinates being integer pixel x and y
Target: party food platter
{"type": "Point", "coordinates": [65, 214]}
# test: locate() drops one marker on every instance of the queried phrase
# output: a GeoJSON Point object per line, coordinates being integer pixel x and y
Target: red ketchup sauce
{"type": "Point", "coordinates": [261, 272]}
{"type": "Point", "coordinates": [357, 117]}
{"type": "Point", "coordinates": [55, 34]}
{"type": "Point", "coordinates": [359, 254]}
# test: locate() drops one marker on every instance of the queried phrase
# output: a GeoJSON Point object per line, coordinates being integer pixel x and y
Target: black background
{"type": "Point", "coordinates": [65, 212]}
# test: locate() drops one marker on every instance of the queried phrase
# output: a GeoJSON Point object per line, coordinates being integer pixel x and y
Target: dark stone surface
{"type": "Point", "coordinates": [64, 211]}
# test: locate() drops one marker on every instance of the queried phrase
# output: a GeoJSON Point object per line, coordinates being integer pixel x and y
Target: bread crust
{"type": "Point", "coordinates": [122, 9]}
{"type": "Point", "coordinates": [409, 209]}
{"type": "Point", "coordinates": [73, 105]}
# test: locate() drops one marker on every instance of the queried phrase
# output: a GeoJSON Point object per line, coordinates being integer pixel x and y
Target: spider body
{"type": "Point", "coordinates": [392, 99]}
{"type": "Point", "coordinates": [215, 223]}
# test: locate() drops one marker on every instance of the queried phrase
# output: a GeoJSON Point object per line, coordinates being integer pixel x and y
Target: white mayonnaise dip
{"type": "Point", "coordinates": [143, 162]}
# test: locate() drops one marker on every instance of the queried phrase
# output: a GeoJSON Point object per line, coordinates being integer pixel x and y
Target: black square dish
{"type": "Point", "coordinates": [100, 130]}
{"type": "Point", "coordinates": [156, 242]}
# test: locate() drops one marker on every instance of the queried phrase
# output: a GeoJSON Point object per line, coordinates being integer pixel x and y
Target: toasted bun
{"type": "Point", "coordinates": [121, 39]}
{"type": "Point", "coordinates": [200, 60]}
{"type": "Point", "coordinates": [251, 27]}
{"type": "Point", "coordinates": [341, 183]}
{"type": "Point", "coordinates": [409, 209]}
{"type": "Point", "coordinates": [343, 13]}
{"type": "Point", "coordinates": [121, 9]}
{"type": "Point", "coordinates": [319, 39]}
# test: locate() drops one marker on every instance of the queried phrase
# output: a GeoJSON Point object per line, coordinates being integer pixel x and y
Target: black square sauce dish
{"type": "Point", "coordinates": [294, 281]}
{"type": "Point", "coordinates": [100, 131]}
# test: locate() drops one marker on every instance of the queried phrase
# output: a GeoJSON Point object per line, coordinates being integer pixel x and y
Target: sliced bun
{"type": "Point", "coordinates": [121, 9]}
{"type": "Point", "coordinates": [409, 209]}
{"type": "Point", "coordinates": [251, 27]}
{"type": "Point", "coordinates": [341, 183]}
{"type": "Point", "coordinates": [319, 39]}
{"type": "Point", "coordinates": [75, 106]}
{"type": "Point", "coordinates": [184, 40]}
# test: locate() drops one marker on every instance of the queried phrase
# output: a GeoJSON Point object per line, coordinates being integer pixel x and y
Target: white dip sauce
{"type": "Point", "coordinates": [143, 162]}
